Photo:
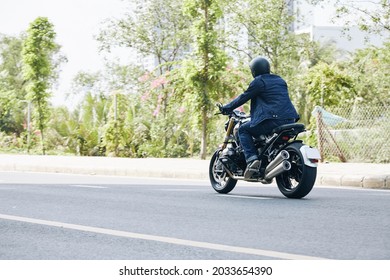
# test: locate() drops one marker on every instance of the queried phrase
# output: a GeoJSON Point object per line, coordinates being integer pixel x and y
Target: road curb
{"type": "Point", "coordinates": [352, 181]}
{"type": "Point", "coordinates": [375, 182]}
{"type": "Point", "coordinates": [332, 180]}
{"type": "Point", "coordinates": [108, 171]}
{"type": "Point", "coordinates": [349, 175]}
{"type": "Point", "coordinates": [359, 181]}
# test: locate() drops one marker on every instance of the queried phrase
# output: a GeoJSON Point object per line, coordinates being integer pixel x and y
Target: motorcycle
{"type": "Point", "coordinates": [283, 157]}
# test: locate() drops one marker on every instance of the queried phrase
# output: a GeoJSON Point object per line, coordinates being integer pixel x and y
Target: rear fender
{"type": "Point", "coordinates": [311, 156]}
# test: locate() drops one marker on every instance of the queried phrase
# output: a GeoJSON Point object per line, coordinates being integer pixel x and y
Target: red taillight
{"type": "Point", "coordinates": [285, 138]}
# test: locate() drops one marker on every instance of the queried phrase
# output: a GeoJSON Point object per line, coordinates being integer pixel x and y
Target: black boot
{"type": "Point", "coordinates": [252, 168]}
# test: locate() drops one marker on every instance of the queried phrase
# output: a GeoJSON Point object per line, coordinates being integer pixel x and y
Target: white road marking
{"type": "Point", "coordinates": [181, 190]}
{"type": "Point", "coordinates": [88, 186]}
{"type": "Point", "coordinates": [244, 196]}
{"type": "Point", "coordinates": [175, 241]}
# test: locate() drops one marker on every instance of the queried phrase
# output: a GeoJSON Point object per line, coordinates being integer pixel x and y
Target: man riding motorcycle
{"type": "Point", "coordinates": [270, 107]}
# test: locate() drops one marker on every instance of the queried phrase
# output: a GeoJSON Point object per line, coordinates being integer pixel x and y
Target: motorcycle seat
{"type": "Point", "coordinates": [291, 130]}
{"type": "Point", "coordinates": [293, 127]}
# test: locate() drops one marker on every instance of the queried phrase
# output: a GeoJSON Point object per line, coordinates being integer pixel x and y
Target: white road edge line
{"type": "Point", "coordinates": [88, 186]}
{"type": "Point", "coordinates": [244, 196]}
{"type": "Point", "coordinates": [175, 241]}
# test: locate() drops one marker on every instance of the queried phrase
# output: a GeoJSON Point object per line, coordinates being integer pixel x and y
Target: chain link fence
{"type": "Point", "coordinates": [353, 133]}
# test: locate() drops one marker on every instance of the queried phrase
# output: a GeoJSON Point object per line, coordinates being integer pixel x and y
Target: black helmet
{"type": "Point", "coordinates": [259, 65]}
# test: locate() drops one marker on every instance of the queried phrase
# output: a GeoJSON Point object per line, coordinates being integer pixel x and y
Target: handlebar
{"type": "Point", "coordinates": [235, 113]}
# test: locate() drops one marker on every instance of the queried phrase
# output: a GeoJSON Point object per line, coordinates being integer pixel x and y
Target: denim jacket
{"type": "Point", "coordinates": [269, 100]}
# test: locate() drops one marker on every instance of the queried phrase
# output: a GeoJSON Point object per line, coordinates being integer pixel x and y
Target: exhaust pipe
{"type": "Point", "coordinates": [279, 169]}
{"type": "Point", "coordinates": [278, 165]}
{"type": "Point", "coordinates": [283, 155]}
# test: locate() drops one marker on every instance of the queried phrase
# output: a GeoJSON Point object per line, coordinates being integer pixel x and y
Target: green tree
{"type": "Point", "coordinates": [12, 85]}
{"type": "Point", "coordinates": [267, 31]}
{"type": "Point", "coordinates": [38, 50]}
{"type": "Point", "coordinates": [155, 27]}
{"type": "Point", "coordinates": [117, 132]}
{"type": "Point", "coordinates": [327, 85]}
{"type": "Point", "coordinates": [370, 16]}
{"type": "Point", "coordinates": [208, 62]}
{"type": "Point", "coordinates": [311, 55]}
{"type": "Point", "coordinates": [157, 30]}
{"type": "Point", "coordinates": [99, 131]}
{"type": "Point", "coordinates": [61, 135]}
{"type": "Point", "coordinates": [91, 113]}
{"type": "Point", "coordinates": [370, 69]}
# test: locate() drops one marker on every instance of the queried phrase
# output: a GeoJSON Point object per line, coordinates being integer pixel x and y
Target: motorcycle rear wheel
{"type": "Point", "coordinates": [219, 178]}
{"type": "Point", "coordinates": [300, 179]}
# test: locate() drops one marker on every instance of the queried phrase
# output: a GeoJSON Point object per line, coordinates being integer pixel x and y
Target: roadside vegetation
{"type": "Point", "coordinates": [127, 111]}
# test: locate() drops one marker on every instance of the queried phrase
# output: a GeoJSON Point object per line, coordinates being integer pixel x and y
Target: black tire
{"type": "Point", "coordinates": [219, 178]}
{"type": "Point", "coordinates": [300, 179]}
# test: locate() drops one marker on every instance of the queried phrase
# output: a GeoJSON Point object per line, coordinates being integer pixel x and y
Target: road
{"type": "Point", "coordinates": [59, 216]}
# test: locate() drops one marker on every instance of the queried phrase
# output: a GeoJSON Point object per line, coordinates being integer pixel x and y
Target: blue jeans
{"type": "Point", "coordinates": [246, 134]}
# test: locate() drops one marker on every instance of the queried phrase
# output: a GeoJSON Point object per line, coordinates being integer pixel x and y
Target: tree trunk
{"type": "Point", "coordinates": [43, 143]}
{"type": "Point", "coordinates": [41, 126]}
{"type": "Point", "coordinates": [203, 148]}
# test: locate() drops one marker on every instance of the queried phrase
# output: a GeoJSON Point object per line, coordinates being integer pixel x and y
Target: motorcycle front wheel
{"type": "Point", "coordinates": [300, 179]}
{"type": "Point", "coordinates": [219, 179]}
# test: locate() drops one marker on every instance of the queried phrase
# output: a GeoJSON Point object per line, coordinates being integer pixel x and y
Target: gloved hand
{"type": "Point", "coordinates": [223, 110]}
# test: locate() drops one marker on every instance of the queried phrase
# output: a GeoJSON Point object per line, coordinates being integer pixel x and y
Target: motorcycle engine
{"type": "Point", "coordinates": [228, 151]}
{"type": "Point", "coordinates": [233, 160]}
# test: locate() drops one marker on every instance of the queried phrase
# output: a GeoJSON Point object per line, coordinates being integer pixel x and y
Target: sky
{"type": "Point", "coordinates": [76, 22]}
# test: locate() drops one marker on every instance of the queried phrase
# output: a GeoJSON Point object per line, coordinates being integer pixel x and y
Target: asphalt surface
{"type": "Point", "coordinates": [60, 216]}
{"type": "Point", "coordinates": [361, 175]}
